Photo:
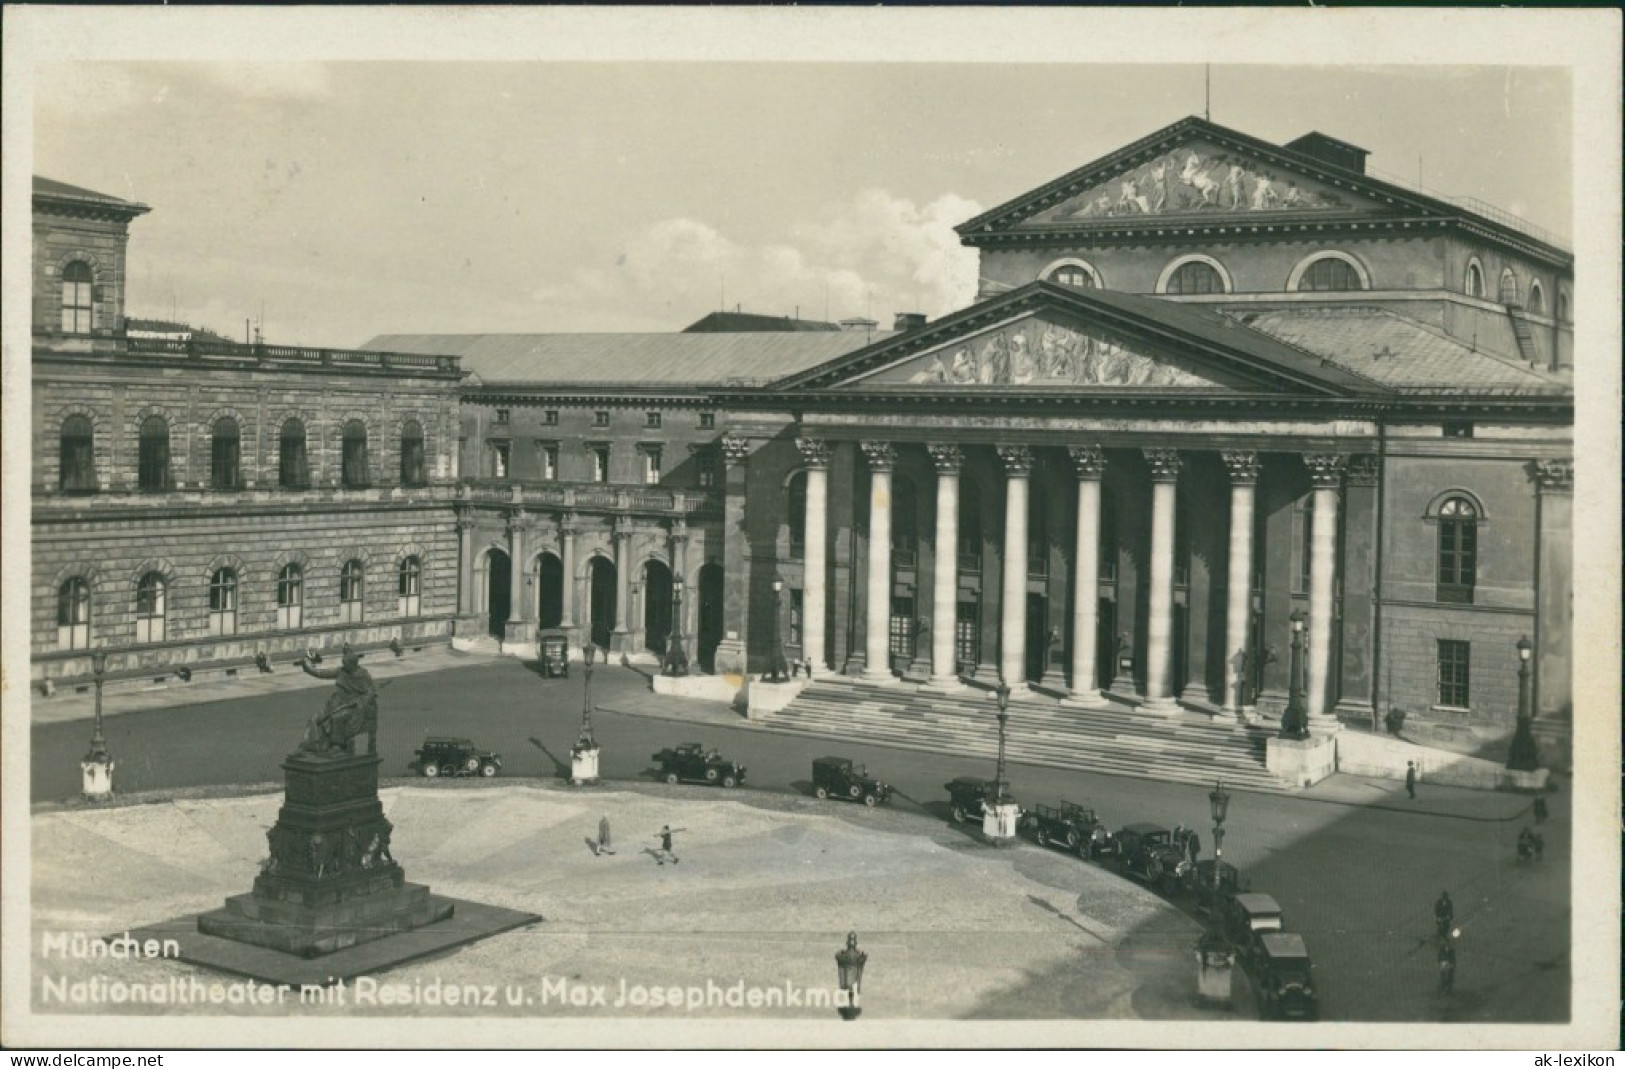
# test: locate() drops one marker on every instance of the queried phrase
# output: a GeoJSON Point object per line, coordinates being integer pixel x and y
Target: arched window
{"type": "Point", "coordinates": [1474, 286]}
{"type": "Point", "coordinates": [293, 471]}
{"type": "Point", "coordinates": [77, 290]}
{"type": "Point", "coordinates": [352, 590]}
{"type": "Point", "coordinates": [225, 455]}
{"type": "Point", "coordinates": [1509, 288]}
{"type": "Point", "coordinates": [414, 472]}
{"type": "Point", "coordinates": [1537, 299]}
{"type": "Point", "coordinates": [78, 455]}
{"type": "Point", "coordinates": [1195, 277]}
{"type": "Point", "coordinates": [73, 615]}
{"type": "Point", "coordinates": [795, 511]}
{"type": "Point", "coordinates": [152, 469]}
{"type": "Point", "coordinates": [1458, 551]}
{"type": "Point", "coordinates": [149, 608]}
{"type": "Point", "coordinates": [354, 473]}
{"type": "Point", "coordinates": [223, 602]}
{"type": "Point", "coordinates": [970, 527]}
{"type": "Point", "coordinates": [1073, 275]}
{"type": "Point", "coordinates": [409, 587]}
{"type": "Point", "coordinates": [290, 597]}
{"type": "Point", "coordinates": [1330, 274]}
{"type": "Point", "coordinates": [905, 528]}
{"type": "Point", "coordinates": [1563, 312]}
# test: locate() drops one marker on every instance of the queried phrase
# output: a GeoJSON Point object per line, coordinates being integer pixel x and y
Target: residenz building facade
{"type": "Point", "coordinates": [1210, 384]}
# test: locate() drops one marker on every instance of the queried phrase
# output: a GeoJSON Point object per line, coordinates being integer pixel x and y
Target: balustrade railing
{"type": "Point", "coordinates": [259, 352]}
{"type": "Point", "coordinates": [600, 496]}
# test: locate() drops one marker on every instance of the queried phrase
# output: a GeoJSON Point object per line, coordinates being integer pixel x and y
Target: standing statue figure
{"type": "Point", "coordinates": [351, 709]}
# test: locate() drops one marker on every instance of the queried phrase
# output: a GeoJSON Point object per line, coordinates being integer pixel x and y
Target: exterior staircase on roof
{"type": "Point", "coordinates": [1526, 339]}
{"type": "Point", "coordinates": [1118, 740]}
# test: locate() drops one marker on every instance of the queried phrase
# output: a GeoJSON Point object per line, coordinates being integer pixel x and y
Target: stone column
{"type": "Point", "coordinates": [1159, 624]}
{"type": "Point", "coordinates": [1553, 697]}
{"type": "Point", "coordinates": [1089, 462]}
{"type": "Point", "coordinates": [1018, 467]}
{"type": "Point", "coordinates": [1326, 473]}
{"type": "Point", "coordinates": [518, 632]}
{"type": "Point", "coordinates": [1357, 660]}
{"type": "Point", "coordinates": [465, 566]}
{"type": "Point", "coordinates": [815, 552]}
{"type": "Point", "coordinates": [1243, 468]}
{"type": "Point", "coordinates": [620, 637]}
{"type": "Point", "coordinates": [677, 540]}
{"type": "Point", "coordinates": [877, 630]}
{"type": "Point", "coordinates": [948, 459]}
{"type": "Point", "coordinates": [567, 560]}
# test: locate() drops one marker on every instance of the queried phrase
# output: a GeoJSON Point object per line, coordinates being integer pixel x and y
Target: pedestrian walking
{"type": "Point", "coordinates": [666, 853]}
{"type": "Point", "coordinates": [1410, 779]}
{"type": "Point", "coordinates": [1444, 915]}
{"type": "Point", "coordinates": [605, 846]}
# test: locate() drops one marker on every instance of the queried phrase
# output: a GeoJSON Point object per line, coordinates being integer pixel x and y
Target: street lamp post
{"type": "Point", "coordinates": [849, 968]}
{"type": "Point", "coordinates": [96, 769]}
{"type": "Point", "coordinates": [676, 657]}
{"type": "Point", "coordinates": [1001, 786]}
{"type": "Point", "coordinates": [584, 754]}
{"type": "Point", "coordinates": [1219, 799]}
{"type": "Point", "coordinates": [1524, 755]}
{"type": "Point", "coordinates": [778, 670]}
{"type": "Point", "coordinates": [1295, 721]}
{"type": "Point", "coordinates": [1215, 954]}
{"type": "Point", "coordinates": [1000, 814]}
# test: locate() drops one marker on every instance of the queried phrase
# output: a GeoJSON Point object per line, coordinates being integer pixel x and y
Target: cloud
{"type": "Point", "coordinates": [872, 255]}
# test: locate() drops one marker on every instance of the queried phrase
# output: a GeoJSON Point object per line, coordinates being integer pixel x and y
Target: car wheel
{"type": "Point", "coordinates": [711, 775]}
{"type": "Point", "coordinates": [488, 770]}
{"type": "Point", "coordinates": [854, 790]}
{"type": "Point", "coordinates": [729, 781]}
{"type": "Point", "coordinates": [1040, 837]}
{"type": "Point", "coordinates": [959, 814]}
{"type": "Point", "coordinates": [472, 765]}
{"type": "Point", "coordinates": [1071, 840]}
{"type": "Point", "coordinates": [448, 769]}
{"type": "Point", "coordinates": [671, 777]}
{"type": "Point", "coordinates": [820, 794]}
{"type": "Point", "coordinates": [430, 769]}
{"type": "Point", "coordinates": [1085, 849]}
{"type": "Point", "coordinates": [870, 800]}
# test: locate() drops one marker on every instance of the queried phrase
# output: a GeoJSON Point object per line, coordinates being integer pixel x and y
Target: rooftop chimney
{"type": "Point", "coordinates": [1330, 150]}
{"type": "Point", "coordinates": [908, 321]}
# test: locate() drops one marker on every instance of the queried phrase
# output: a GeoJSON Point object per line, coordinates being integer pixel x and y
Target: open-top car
{"type": "Point", "coordinates": [442, 755]}
{"type": "Point", "coordinates": [1070, 825]}
{"type": "Point", "coordinates": [1248, 917]}
{"type": "Point", "coordinates": [838, 777]}
{"type": "Point", "coordinates": [1285, 987]}
{"type": "Point", "coordinates": [1149, 852]}
{"type": "Point", "coordinates": [1212, 893]}
{"type": "Point", "coordinates": [969, 796]}
{"type": "Point", "coordinates": [692, 763]}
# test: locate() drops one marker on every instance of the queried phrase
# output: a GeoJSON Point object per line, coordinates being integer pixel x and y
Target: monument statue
{"type": "Point", "coordinates": [351, 709]}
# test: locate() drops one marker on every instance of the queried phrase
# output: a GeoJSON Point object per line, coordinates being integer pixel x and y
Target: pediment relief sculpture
{"type": "Point", "coordinates": [1039, 354]}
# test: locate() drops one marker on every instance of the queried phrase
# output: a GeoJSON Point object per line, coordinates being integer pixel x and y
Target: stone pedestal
{"type": "Point", "coordinates": [999, 823]}
{"type": "Point", "coordinates": [1215, 968]}
{"type": "Point", "coordinates": [330, 882]}
{"type": "Point", "coordinates": [1302, 762]}
{"type": "Point", "coordinates": [583, 766]}
{"type": "Point", "coordinates": [97, 777]}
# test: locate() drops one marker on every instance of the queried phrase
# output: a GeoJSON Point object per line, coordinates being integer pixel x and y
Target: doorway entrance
{"type": "Point", "coordinates": [603, 602]}
{"type": "Point", "coordinates": [1105, 642]}
{"type": "Point", "coordinates": [1037, 636]}
{"type": "Point", "coordinates": [656, 606]}
{"type": "Point", "coordinates": [498, 583]}
{"type": "Point", "coordinates": [710, 621]}
{"type": "Point", "coordinates": [549, 591]}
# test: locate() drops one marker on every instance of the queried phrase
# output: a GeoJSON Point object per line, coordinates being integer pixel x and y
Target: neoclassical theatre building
{"type": "Point", "coordinates": [1210, 384]}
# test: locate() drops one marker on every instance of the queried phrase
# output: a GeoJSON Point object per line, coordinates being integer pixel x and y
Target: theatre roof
{"type": "Point", "coordinates": [633, 360]}
{"type": "Point", "coordinates": [61, 193]}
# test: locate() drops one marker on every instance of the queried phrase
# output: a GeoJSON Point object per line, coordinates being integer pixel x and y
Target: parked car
{"type": "Point", "coordinates": [1286, 989]}
{"type": "Point", "coordinates": [1212, 894]}
{"type": "Point", "coordinates": [553, 653]}
{"type": "Point", "coordinates": [693, 763]}
{"type": "Point", "coordinates": [442, 755]}
{"type": "Point", "coordinates": [1149, 852]}
{"type": "Point", "coordinates": [1248, 917]}
{"type": "Point", "coordinates": [968, 797]}
{"type": "Point", "coordinates": [1070, 825]}
{"type": "Point", "coordinates": [838, 777]}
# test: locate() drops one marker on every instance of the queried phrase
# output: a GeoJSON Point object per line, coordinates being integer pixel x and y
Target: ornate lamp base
{"type": "Point", "coordinates": [583, 766]}
{"type": "Point", "coordinates": [999, 822]}
{"type": "Point", "coordinates": [97, 773]}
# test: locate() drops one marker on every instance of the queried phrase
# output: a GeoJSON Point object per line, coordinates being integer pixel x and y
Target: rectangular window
{"type": "Point", "coordinates": [290, 603]}
{"type": "Point", "coordinates": [499, 460]}
{"type": "Point", "coordinates": [708, 420]}
{"type": "Point", "coordinates": [1305, 548]}
{"type": "Point", "coordinates": [902, 627]}
{"type": "Point", "coordinates": [794, 632]}
{"type": "Point", "coordinates": [705, 465]}
{"type": "Point", "coordinates": [651, 420]}
{"type": "Point", "coordinates": [1458, 428]}
{"type": "Point", "coordinates": [223, 605]}
{"type": "Point", "coordinates": [967, 636]}
{"type": "Point", "coordinates": [600, 418]}
{"type": "Point", "coordinates": [409, 587]}
{"type": "Point", "coordinates": [548, 461]}
{"type": "Point", "coordinates": [600, 463]}
{"type": "Point", "coordinates": [352, 583]}
{"type": "Point", "coordinates": [149, 612]}
{"type": "Point", "coordinates": [550, 417]}
{"type": "Point", "coordinates": [651, 465]}
{"type": "Point", "coordinates": [1454, 664]}
{"type": "Point", "coordinates": [502, 416]}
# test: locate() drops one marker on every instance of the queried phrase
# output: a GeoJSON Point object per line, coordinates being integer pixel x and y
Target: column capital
{"type": "Point", "coordinates": [882, 456]}
{"type": "Point", "coordinates": [519, 520]}
{"type": "Point", "coordinates": [569, 524]}
{"type": "Point", "coordinates": [1325, 469]}
{"type": "Point", "coordinates": [1243, 466]}
{"type": "Point", "coordinates": [1164, 464]}
{"type": "Point", "coordinates": [1556, 473]}
{"type": "Point", "coordinates": [735, 449]}
{"type": "Point", "coordinates": [1017, 460]}
{"type": "Point", "coordinates": [1088, 461]}
{"type": "Point", "coordinates": [946, 456]}
{"type": "Point", "coordinates": [678, 531]}
{"type": "Point", "coordinates": [814, 452]}
{"type": "Point", "coordinates": [621, 529]}
{"type": "Point", "coordinates": [1364, 470]}
{"type": "Point", "coordinates": [465, 524]}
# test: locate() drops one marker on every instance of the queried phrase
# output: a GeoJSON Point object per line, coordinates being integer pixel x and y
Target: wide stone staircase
{"type": "Point", "coordinates": [1184, 747]}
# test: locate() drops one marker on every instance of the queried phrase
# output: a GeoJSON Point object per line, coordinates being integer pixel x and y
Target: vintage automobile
{"type": "Point", "coordinates": [442, 755]}
{"type": "Point", "coordinates": [1071, 825]}
{"type": "Point", "coordinates": [693, 763]}
{"type": "Point", "coordinates": [968, 797]}
{"type": "Point", "coordinates": [1149, 852]}
{"type": "Point", "coordinates": [838, 777]}
{"type": "Point", "coordinates": [1248, 917]}
{"type": "Point", "coordinates": [1286, 990]}
{"type": "Point", "coordinates": [1211, 895]}
{"type": "Point", "coordinates": [553, 653]}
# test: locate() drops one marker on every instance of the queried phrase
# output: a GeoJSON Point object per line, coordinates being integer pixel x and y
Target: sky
{"type": "Point", "coordinates": [350, 199]}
